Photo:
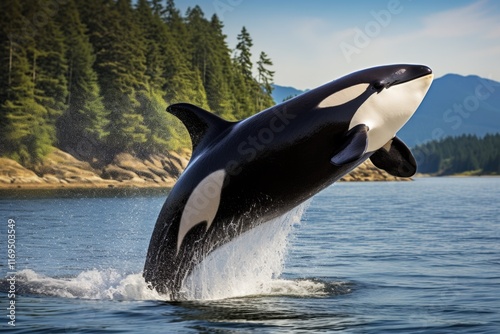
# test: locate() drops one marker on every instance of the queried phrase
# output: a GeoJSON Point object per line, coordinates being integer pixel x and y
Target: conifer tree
{"type": "Point", "coordinates": [183, 81]}
{"type": "Point", "coordinates": [244, 55]}
{"type": "Point", "coordinates": [152, 104]}
{"type": "Point", "coordinates": [102, 74]}
{"type": "Point", "coordinates": [151, 26]}
{"type": "Point", "coordinates": [265, 75]}
{"type": "Point", "coordinates": [176, 24]}
{"type": "Point", "coordinates": [127, 130]}
{"type": "Point", "coordinates": [82, 128]}
{"type": "Point", "coordinates": [465, 153]}
{"type": "Point", "coordinates": [243, 105]}
{"type": "Point", "coordinates": [265, 79]}
{"type": "Point", "coordinates": [48, 62]}
{"type": "Point", "coordinates": [257, 94]}
{"type": "Point", "coordinates": [200, 41]}
{"type": "Point", "coordinates": [120, 65]}
{"type": "Point", "coordinates": [25, 134]}
{"type": "Point", "coordinates": [156, 7]}
{"type": "Point", "coordinates": [219, 69]}
{"type": "Point", "coordinates": [243, 84]}
{"type": "Point", "coordinates": [209, 56]}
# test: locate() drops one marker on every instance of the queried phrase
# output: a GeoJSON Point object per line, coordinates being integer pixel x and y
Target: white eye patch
{"type": "Point", "coordinates": [343, 96]}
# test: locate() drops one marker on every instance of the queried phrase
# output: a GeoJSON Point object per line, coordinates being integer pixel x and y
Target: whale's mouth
{"type": "Point", "coordinates": [403, 75]}
{"type": "Point", "coordinates": [399, 96]}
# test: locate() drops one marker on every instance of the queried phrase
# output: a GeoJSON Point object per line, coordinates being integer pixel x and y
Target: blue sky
{"type": "Point", "coordinates": [313, 42]}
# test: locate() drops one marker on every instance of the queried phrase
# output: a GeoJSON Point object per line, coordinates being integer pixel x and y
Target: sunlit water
{"type": "Point", "coordinates": [419, 256]}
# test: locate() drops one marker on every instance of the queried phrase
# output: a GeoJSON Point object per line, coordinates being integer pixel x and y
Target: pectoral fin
{"type": "Point", "coordinates": [356, 142]}
{"type": "Point", "coordinates": [395, 158]}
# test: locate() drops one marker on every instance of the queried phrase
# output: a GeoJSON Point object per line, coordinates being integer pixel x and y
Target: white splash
{"type": "Point", "coordinates": [248, 265]}
{"type": "Point", "coordinates": [91, 284]}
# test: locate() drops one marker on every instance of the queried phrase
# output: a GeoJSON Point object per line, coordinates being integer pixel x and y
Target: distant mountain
{"type": "Point", "coordinates": [281, 92]}
{"type": "Point", "coordinates": [453, 106]}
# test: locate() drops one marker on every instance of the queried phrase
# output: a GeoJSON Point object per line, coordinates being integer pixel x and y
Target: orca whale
{"type": "Point", "coordinates": [242, 174]}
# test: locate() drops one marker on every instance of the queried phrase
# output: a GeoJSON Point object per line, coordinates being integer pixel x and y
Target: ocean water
{"type": "Point", "coordinates": [395, 257]}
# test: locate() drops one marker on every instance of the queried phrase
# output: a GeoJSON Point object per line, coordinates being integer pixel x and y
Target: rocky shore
{"type": "Point", "coordinates": [62, 170]}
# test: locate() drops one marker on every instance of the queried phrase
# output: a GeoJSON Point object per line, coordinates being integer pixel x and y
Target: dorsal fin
{"type": "Point", "coordinates": [202, 125]}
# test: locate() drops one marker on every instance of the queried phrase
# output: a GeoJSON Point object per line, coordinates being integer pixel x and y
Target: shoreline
{"type": "Point", "coordinates": [118, 186]}
{"type": "Point", "coordinates": [455, 175]}
{"type": "Point", "coordinates": [85, 186]}
{"type": "Point", "coordinates": [60, 170]}
{"type": "Point", "coordinates": [124, 185]}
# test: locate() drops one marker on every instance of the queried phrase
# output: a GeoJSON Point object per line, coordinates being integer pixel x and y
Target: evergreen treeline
{"type": "Point", "coordinates": [466, 153]}
{"type": "Point", "coordinates": [94, 77]}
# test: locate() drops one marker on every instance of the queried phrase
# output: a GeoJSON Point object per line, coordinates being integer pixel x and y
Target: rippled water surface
{"type": "Point", "coordinates": [420, 256]}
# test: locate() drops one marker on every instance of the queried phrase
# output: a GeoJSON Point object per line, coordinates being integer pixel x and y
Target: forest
{"type": "Point", "coordinates": [467, 154]}
{"type": "Point", "coordinates": [94, 77]}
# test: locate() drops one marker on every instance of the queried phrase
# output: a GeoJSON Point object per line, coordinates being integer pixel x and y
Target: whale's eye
{"type": "Point", "coordinates": [378, 85]}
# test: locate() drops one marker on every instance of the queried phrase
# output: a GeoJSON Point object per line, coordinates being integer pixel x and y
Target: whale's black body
{"type": "Point", "coordinates": [242, 174]}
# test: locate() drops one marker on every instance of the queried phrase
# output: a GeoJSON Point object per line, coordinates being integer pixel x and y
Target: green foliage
{"type": "Point", "coordinates": [94, 77]}
{"type": "Point", "coordinates": [49, 65]}
{"type": "Point", "coordinates": [85, 119]}
{"type": "Point", "coordinates": [289, 97]}
{"type": "Point", "coordinates": [25, 133]}
{"type": "Point", "coordinates": [265, 80]}
{"type": "Point", "coordinates": [454, 155]}
{"type": "Point", "coordinates": [243, 59]}
{"type": "Point", "coordinates": [265, 76]}
{"type": "Point", "coordinates": [258, 90]}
